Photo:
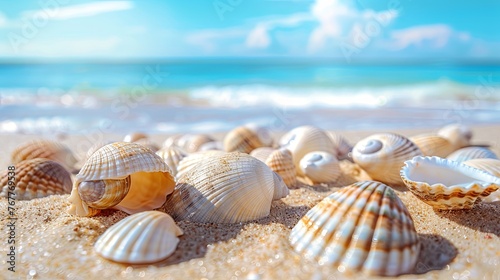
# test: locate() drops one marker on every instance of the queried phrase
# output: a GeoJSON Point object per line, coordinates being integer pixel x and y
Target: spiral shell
{"type": "Point", "coordinates": [469, 153]}
{"type": "Point", "coordinates": [150, 179]}
{"type": "Point", "coordinates": [141, 238]}
{"type": "Point", "coordinates": [433, 145]}
{"type": "Point", "coordinates": [35, 178]}
{"type": "Point", "coordinates": [281, 162]}
{"type": "Point", "coordinates": [341, 145]}
{"type": "Point", "coordinates": [225, 188]}
{"type": "Point", "coordinates": [320, 167]}
{"type": "Point", "coordinates": [383, 155]}
{"type": "Point", "coordinates": [172, 156]}
{"type": "Point", "coordinates": [446, 184]}
{"type": "Point", "coordinates": [458, 135]}
{"type": "Point", "coordinates": [247, 138]}
{"type": "Point", "coordinates": [45, 149]}
{"type": "Point", "coordinates": [360, 228]}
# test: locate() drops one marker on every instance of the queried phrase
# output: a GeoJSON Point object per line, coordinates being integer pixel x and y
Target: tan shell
{"type": "Point", "coordinates": [469, 153]}
{"type": "Point", "coordinates": [135, 136]}
{"type": "Point", "coordinates": [36, 178]}
{"type": "Point", "coordinates": [281, 162]}
{"type": "Point", "coordinates": [262, 153]}
{"type": "Point", "coordinates": [150, 178]}
{"type": "Point", "coordinates": [320, 167]}
{"type": "Point", "coordinates": [364, 228]}
{"type": "Point", "coordinates": [459, 135]}
{"type": "Point", "coordinates": [382, 156]}
{"type": "Point", "coordinates": [211, 146]}
{"type": "Point", "coordinates": [96, 146]}
{"type": "Point", "coordinates": [172, 156]}
{"type": "Point", "coordinates": [192, 142]}
{"type": "Point", "coordinates": [491, 166]}
{"type": "Point", "coordinates": [171, 141]}
{"type": "Point", "coordinates": [246, 138]}
{"type": "Point", "coordinates": [44, 149]}
{"type": "Point", "coordinates": [146, 142]}
{"type": "Point", "coordinates": [433, 145]}
{"type": "Point", "coordinates": [225, 188]}
{"type": "Point", "coordinates": [141, 238]}
{"type": "Point", "coordinates": [341, 145]}
{"type": "Point", "coordinates": [187, 163]}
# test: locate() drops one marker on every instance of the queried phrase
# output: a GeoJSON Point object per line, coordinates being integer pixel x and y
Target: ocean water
{"type": "Point", "coordinates": [217, 95]}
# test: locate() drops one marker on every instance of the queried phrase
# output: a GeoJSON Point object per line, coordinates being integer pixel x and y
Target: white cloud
{"type": "Point", "coordinates": [81, 10]}
{"type": "Point", "coordinates": [436, 36]}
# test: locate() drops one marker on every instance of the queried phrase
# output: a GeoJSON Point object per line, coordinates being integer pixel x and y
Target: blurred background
{"type": "Point", "coordinates": [70, 66]}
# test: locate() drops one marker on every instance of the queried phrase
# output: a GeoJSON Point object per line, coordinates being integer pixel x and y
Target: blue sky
{"type": "Point", "coordinates": [396, 29]}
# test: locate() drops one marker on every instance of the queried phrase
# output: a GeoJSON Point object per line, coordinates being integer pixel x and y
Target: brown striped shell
{"type": "Point", "coordinates": [36, 178]}
{"type": "Point", "coordinates": [246, 138]}
{"type": "Point", "coordinates": [433, 145]}
{"type": "Point", "coordinates": [281, 162]}
{"type": "Point", "coordinates": [44, 149]}
{"type": "Point", "coordinates": [363, 228]}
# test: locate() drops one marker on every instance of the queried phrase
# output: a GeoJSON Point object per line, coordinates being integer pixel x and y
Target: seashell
{"type": "Point", "coordinates": [172, 140]}
{"type": "Point", "coordinates": [141, 238]}
{"type": "Point", "coordinates": [306, 139]}
{"type": "Point", "coordinates": [225, 188]}
{"type": "Point", "coordinates": [104, 180]}
{"type": "Point", "coordinates": [446, 184]}
{"type": "Point", "coordinates": [458, 135]}
{"type": "Point", "coordinates": [192, 142]}
{"type": "Point", "coordinates": [146, 142]}
{"type": "Point", "coordinates": [134, 137]}
{"type": "Point", "coordinates": [364, 228]}
{"type": "Point", "coordinates": [433, 145]}
{"type": "Point", "coordinates": [44, 149]}
{"type": "Point", "coordinates": [491, 166]}
{"type": "Point", "coordinates": [320, 167]}
{"type": "Point", "coordinates": [262, 153]}
{"type": "Point", "coordinates": [281, 162]}
{"type": "Point", "coordinates": [383, 155]}
{"type": "Point", "coordinates": [469, 153]}
{"type": "Point", "coordinates": [247, 138]}
{"type": "Point", "coordinates": [187, 163]}
{"type": "Point", "coordinates": [341, 145]}
{"type": "Point", "coordinates": [211, 146]}
{"type": "Point", "coordinates": [96, 147]}
{"type": "Point", "coordinates": [36, 178]}
{"type": "Point", "coordinates": [172, 156]}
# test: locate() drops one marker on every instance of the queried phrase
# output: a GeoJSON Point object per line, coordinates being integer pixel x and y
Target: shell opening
{"type": "Point", "coordinates": [369, 147]}
{"type": "Point", "coordinates": [103, 194]}
{"type": "Point", "coordinates": [313, 158]}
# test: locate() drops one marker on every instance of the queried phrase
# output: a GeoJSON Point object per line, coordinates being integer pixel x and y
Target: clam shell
{"type": "Point", "coordinates": [320, 167]}
{"type": "Point", "coordinates": [469, 153]}
{"type": "Point", "coordinates": [459, 135]}
{"type": "Point", "coordinates": [36, 178]}
{"type": "Point", "coordinates": [491, 166]}
{"type": "Point", "coordinates": [192, 142]}
{"type": "Point", "coordinates": [44, 149]}
{"type": "Point", "coordinates": [172, 156]}
{"type": "Point", "coordinates": [281, 162]}
{"type": "Point", "coordinates": [145, 237]}
{"type": "Point", "coordinates": [341, 145]}
{"type": "Point", "coordinates": [262, 153]}
{"type": "Point", "coordinates": [306, 139]}
{"type": "Point", "coordinates": [360, 228]}
{"type": "Point", "coordinates": [189, 162]}
{"type": "Point", "coordinates": [433, 145]}
{"type": "Point", "coordinates": [96, 146]}
{"type": "Point", "coordinates": [225, 188]}
{"type": "Point", "coordinates": [382, 156]}
{"type": "Point", "coordinates": [446, 184]}
{"type": "Point", "coordinates": [150, 176]}
{"type": "Point", "coordinates": [247, 138]}
{"type": "Point", "coordinates": [135, 136]}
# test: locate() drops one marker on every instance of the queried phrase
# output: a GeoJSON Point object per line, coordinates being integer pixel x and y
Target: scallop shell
{"type": "Point", "coordinates": [145, 237]}
{"type": "Point", "coordinates": [44, 149]}
{"type": "Point", "coordinates": [306, 139]}
{"type": "Point", "coordinates": [262, 153]}
{"type": "Point", "coordinates": [150, 178]}
{"type": "Point", "coordinates": [36, 178]}
{"type": "Point", "coordinates": [96, 147]}
{"type": "Point", "coordinates": [341, 145]}
{"type": "Point", "coordinates": [225, 188]}
{"type": "Point", "coordinates": [491, 166]}
{"type": "Point", "coordinates": [281, 162]}
{"type": "Point", "coordinates": [192, 142]}
{"type": "Point", "coordinates": [320, 167]}
{"type": "Point", "coordinates": [458, 135]}
{"type": "Point", "coordinates": [383, 155]}
{"type": "Point", "coordinates": [469, 153]}
{"type": "Point", "coordinates": [189, 162]}
{"type": "Point", "coordinates": [247, 138]}
{"type": "Point", "coordinates": [433, 145]}
{"type": "Point", "coordinates": [446, 184]}
{"type": "Point", "coordinates": [172, 156]}
{"type": "Point", "coordinates": [360, 228]}
{"type": "Point", "coordinates": [135, 136]}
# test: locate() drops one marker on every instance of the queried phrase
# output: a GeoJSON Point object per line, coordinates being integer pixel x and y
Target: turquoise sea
{"type": "Point", "coordinates": [213, 95]}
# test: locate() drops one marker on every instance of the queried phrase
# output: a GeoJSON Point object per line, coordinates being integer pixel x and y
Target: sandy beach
{"type": "Point", "coordinates": [52, 244]}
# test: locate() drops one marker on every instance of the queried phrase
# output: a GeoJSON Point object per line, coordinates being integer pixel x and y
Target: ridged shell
{"type": "Point", "coordinates": [225, 188]}
{"type": "Point", "coordinates": [211, 146]}
{"type": "Point", "coordinates": [306, 139]}
{"type": "Point", "coordinates": [95, 147]}
{"type": "Point", "coordinates": [469, 153]}
{"type": "Point", "coordinates": [433, 145]}
{"type": "Point", "coordinates": [262, 153]}
{"type": "Point", "coordinates": [459, 135]}
{"type": "Point", "coordinates": [135, 136]}
{"type": "Point", "coordinates": [172, 140]}
{"type": "Point", "coordinates": [246, 138]}
{"type": "Point", "coordinates": [341, 145]}
{"type": "Point", "coordinates": [281, 162]}
{"type": "Point", "coordinates": [145, 237]}
{"type": "Point", "coordinates": [151, 178]}
{"type": "Point", "coordinates": [192, 142]}
{"type": "Point", "coordinates": [320, 167]}
{"type": "Point", "coordinates": [446, 184]}
{"type": "Point", "coordinates": [491, 166]}
{"type": "Point", "coordinates": [172, 156]}
{"type": "Point", "coordinates": [36, 178]}
{"type": "Point", "coordinates": [360, 228]}
{"type": "Point", "coordinates": [44, 149]}
{"type": "Point", "coordinates": [146, 142]}
{"type": "Point", "coordinates": [189, 162]}
{"type": "Point", "coordinates": [382, 156]}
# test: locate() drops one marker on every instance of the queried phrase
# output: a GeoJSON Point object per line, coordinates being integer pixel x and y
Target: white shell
{"type": "Point", "coordinates": [491, 166]}
{"type": "Point", "coordinates": [134, 137]}
{"type": "Point", "coordinates": [225, 188]}
{"type": "Point", "coordinates": [469, 153]}
{"type": "Point", "coordinates": [433, 145]}
{"type": "Point", "coordinates": [341, 145]}
{"type": "Point", "coordinates": [189, 162]}
{"type": "Point", "coordinates": [211, 146]}
{"type": "Point", "coordinates": [363, 227]}
{"type": "Point", "coordinates": [446, 184]}
{"type": "Point", "coordinates": [192, 142]}
{"type": "Point", "coordinates": [247, 138]}
{"type": "Point", "coordinates": [458, 135]}
{"type": "Point", "coordinates": [262, 153]}
{"type": "Point", "coordinates": [382, 156]}
{"type": "Point", "coordinates": [145, 237]}
{"type": "Point", "coordinates": [172, 156]}
{"type": "Point", "coordinates": [320, 167]}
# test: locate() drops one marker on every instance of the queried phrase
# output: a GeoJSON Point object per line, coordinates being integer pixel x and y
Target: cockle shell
{"type": "Point", "coordinates": [262, 153]}
{"type": "Point", "coordinates": [382, 156]}
{"type": "Point", "coordinates": [189, 162]}
{"type": "Point", "coordinates": [150, 179]}
{"type": "Point", "coordinates": [446, 184]}
{"type": "Point", "coordinates": [364, 227]}
{"type": "Point", "coordinates": [320, 167]}
{"type": "Point", "coordinates": [172, 156]}
{"type": "Point", "coordinates": [192, 142]}
{"type": "Point", "coordinates": [469, 153]}
{"type": "Point", "coordinates": [306, 139]}
{"type": "Point", "coordinates": [341, 145]}
{"type": "Point", "coordinates": [247, 138]}
{"type": "Point", "coordinates": [491, 166]}
{"type": "Point", "coordinates": [35, 178]}
{"type": "Point", "coordinates": [433, 145]}
{"type": "Point", "coordinates": [459, 135]}
{"type": "Point", "coordinates": [225, 188]}
{"type": "Point", "coordinates": [96, 146]}
{"type": "Point", "coordinates": [281, 162]}
{"type": "Point", "coordinates": [141, 238]}
{"type": "Point", "coordinates": [45, 149]}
